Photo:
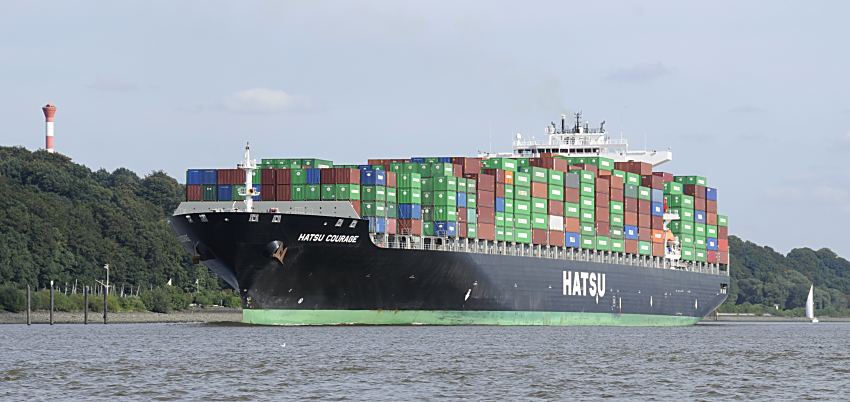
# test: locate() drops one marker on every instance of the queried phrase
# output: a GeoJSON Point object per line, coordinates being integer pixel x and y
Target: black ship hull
{"type": "Point", "coordinates": [308, 269]}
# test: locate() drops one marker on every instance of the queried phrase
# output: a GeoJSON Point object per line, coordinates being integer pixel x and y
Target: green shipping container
{"type": "Point", "coordinates": [445, 198]}
{"type": "Point", "coordinates": [298, 176]}
{"type": "Point", "coordinates": [428, 228]}
{"type": "Point", "coordinates": [348, 191]}
{"type": "Point", "coordinates": [586, 176]}
{"type": "Point", "coordinates": [587, 229]}
{"type": "Point", "coordinates": [616, 233]}
{"type": "Point", "coordinates": [392, 195]}
{"type": "Point", "coordinates": [443, 213]}
{"type": "Point", "coordinates": [603, 243]}
{"type": "Point", "coordinates": [522, 236]}
{"type": "Point", "coordinates": [588, 242]}
{"type": "Point", "coordinates": [298, 193]}
{"type": "Point", "coordinates": [631, 191]}
{"type": "Point", "coordinates": [442, 170]}
{"type": "Point", "coordinates": [392, 210]}
{"type": "Point", "coordinates": [587, 215]}
{"type": "Point", "coordinates": [699, 229]}
{"type": "Point", "coordinates": [313, 192]}
{"type": "Point", "coordinates": [471, 200]}
{"type": "Point", "coordinates": [500, 219]}
{"type": "Point", "coordinates": [699, 242]}
{"type": "Point", "coordinates": [522, 180]}
{"type": "Point", "coordinates": [681, 227]}
{"type": "Point", "coordinates": [644, 193]}
{"type": "Point", "coordinates": [445, 183]}
{"type": "Point", "coordinates": [471, 231]}
{"type": "Point", "coordinates": [373, 208]}
{"type": "Point", "coordinates": [539, 175]}
{"type": "Point", "coordinates": [522, 193]}
{"type": "Point", "coordinates": [538, 206]}
{"type": "Point", "coordinates": [571, 210]}
{"type": "Point", "coordinates": [617, 207]}
{"type": "Point", "coordinates": [409, 180]}
{"type": "Point", "coordinates": [556, 178]}
{"type": "Point", "coordinates": [522, 222]}
{"type": "Point", "coordinates": [616, 220]}
{"type": "Point", "coordinates": [556, 192]}
{"type": "Point", "coordinates": [328, 192]}
{"type": "Point", "coordinates": [373, 193]}
{"type": "Point", "coordinates": [673, 188]}
{"type": "Point", "coordinates": [711, 231]}
{"type": "Point", "coordinates": [722, 220]}
{"type": "Point", "coordinates": [644, 248]}
{"type": "Point", "coordinates": [633, 179]}
{"type": "Point", "coordinates": [686, 240]}
{"type": "Point", "coordinates": [587, 202]}
{"type": "Point", "coordinates": [687, 253]}
{"type": "Point", "coordinates": [409, 196]}
{"type": "Point", "coordinates": [698, 180]}
{"type": "Point", "coordinates": [618, 245]}
{"type": "Point", "coordinates": [509, 191]}
{"type": "Point", "coordinates": [699, 255]}
{"type": "Point", "coordinates": [522, 207]}
{"type": "Point", "coordinates": [681, 201]}
{"type": "Point", "coordinates": [210, 192]}
{"type": "Point", "coordinates": [540, 221]}
{"type": "Point", "coordinates": [509, 205]}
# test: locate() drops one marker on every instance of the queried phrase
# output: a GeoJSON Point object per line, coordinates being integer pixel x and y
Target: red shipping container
{"type": "Point", "coordinates": [617, 182]}
{"type": "Point", "coordinates": [375, 162]}
{"type": "Point", "coordinates": [487, 231]}
{"type": "Point", "coordinates": [603, 185]}
{"type": "Point", "coordinates": [652, 181]}
{"type": "Point", "coordinates": [556, 208]}
{"type": "Point", "coordinates": [283, 193]}
{"type": "Point", "coordinates": [356, 205]}
{"type": "Point", "coordinates": [461, 215]}
{"type": "Point", "coordinates": [391, 180]}
{"type": "Point", "coordinates": [644, 206]}
{"type": "Point", "coordinates": [723, 244]}
{"type": "Point", "coordinates": [603, 228]}
{"type": "Point", "coordinates": [603, 214]}
{"type": "Point", "coordinates": [486, 199]}
{"type": "Point", "coordinates": [710, 218]}
{"type": "Point", "coordinates": [457, 170]}
{"type": "Point", "coordinates": [500, 190]}
{"type": "Point", "coordinates": [230, 176]}
{"type": "Point", "coordinates": [410, 227]}
{"type": "Point", "coordinates": [392, 226]}
{"type": "Point", "coordinates": [699, 204]}
{"type": "Point", "coordinates": [657, 222]}
{"type": "Point", "coordinates": [347, 176]}
{"type": "Point", "coordinates": [630, 218]}
{"type": "Point", "coordinates": [549, 162]}
{"type": "Point", "coordinates": [283, 176]}
{"type": "Point", "coordinates": [572, 225]}
{"type": "Point", "coordinates": [486, 182]}
{"type": "Point", "coordinates": [657, 236]}
{"type": "Point", "coordinates": [617, 195]}
{"type": "Point", "coordinates": [641, 168]}
{"type": "Point", "coordinates": [665, 177]}
{"type": "Point", "coordinates": [657, 250]}
{"type": "Point", "coordinates": [539, 190]}
{"type": "Point", "coordinates": [498, 175]}
{"type": "Point", "coordinates": [722, 232]}
{"type": "Point", "coordinates": [723, 258]}
{"type": "Point", "coordinates": [585, 166]}
{"type": "Point", "coordinates": [194, 192]}
{"type": "Point", "coordinates": [644, 234]}
{"type": "Point", "coordinates": [461, 230]}
{"type": "Point", "coordinates": [267, 193]}
{"type": "Point", "coordinates": [710, 207]}
{"type": "Point", "coordinates": [327, 175]}
{"type": "Point", "coordinates": [711, 256]}
{"type": "Point", "coordinates": [539, 236]}
{"type": "Point", "coordinates": [630, 205]}
{"type": "Point", "coordinates": [631, 246]}
{"type": "Point", "coordinates": [267, 177]}
{"type": "Point", "coordinates": [572, 195]}
{"type": "Point", "coordinates": [486, 214]}
{"type": "Point", "coordinates": [468, 165]}
{"type": "Point", "coordinates": [644, 220]}
{"type": "Point", "coordinates": [695, 190]}
{"type": "Point", "coordinates": [603, 199]}
{"type": "Point", "coordinates": [556, 238]}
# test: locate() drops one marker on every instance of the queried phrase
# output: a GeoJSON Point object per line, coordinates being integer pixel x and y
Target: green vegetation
{"type": "Point", "coordinates": [763, 279]}
{"type": "Point", "coordinates": [60, 221]}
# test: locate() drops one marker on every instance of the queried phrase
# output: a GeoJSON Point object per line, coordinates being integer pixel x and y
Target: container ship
{"type": "Point", "coordinates": [573, 230]}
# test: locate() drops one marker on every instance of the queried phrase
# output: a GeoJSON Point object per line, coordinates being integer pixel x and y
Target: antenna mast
{"type": "Point", "coordinates": [248, 165]}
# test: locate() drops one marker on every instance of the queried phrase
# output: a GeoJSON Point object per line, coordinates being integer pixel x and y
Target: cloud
{"type": "Point", "coordinates": [746, 109]}
{"type": "Point", "coordinates": [112, 85]}
{"type": "Point", "coordinates": [261, 101]}
{"type": "Point", "coordinates": [639, 73]}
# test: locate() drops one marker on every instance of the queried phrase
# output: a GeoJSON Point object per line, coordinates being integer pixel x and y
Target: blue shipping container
{"type": "Point", "coordinates": [410, 211]}
{"type": "Point", "coordinates": [445, 229]}
{"type": "Point", "coordinates": [314, 176]}
{"type": "Point", "coordinates": [699, 216]}
{"type": "Point", "coordinates": [377, 225]}
{"type": "Point", "coordinates": [445, 159]}
{"type": "Point", "coordinates": [461, 200]}
{"type": "Point", "coordinates": [194, 176]}
{"type": "Point", "coordinates": [657, 208]}
{"type": "Point", "coordinates": [364, 167]}
{"type": "Point", "coordinates": [657, 195]}
{"type": "Point", "coordinates": [711, 244]}
{"type": "Point", "coordinates": [500, 204]}
{"type": "Point", "coordinates": [572, 239]}
{"type": "Point", "coordinates": [711, 194]}
{"type": "Point", "coordinates": [417, 160]}
{"type": "Point", "coordinates": [225, 193]}
{"type": "Point", "coordinates": [373, 178]}
{"type": "Point", "coordinates": [209, 176]}
{"type": "Point", "coordinates": [630, 232]}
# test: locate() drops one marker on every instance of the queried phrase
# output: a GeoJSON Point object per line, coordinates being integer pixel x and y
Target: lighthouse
{"type": "Point", "coordinates": [49, 111]}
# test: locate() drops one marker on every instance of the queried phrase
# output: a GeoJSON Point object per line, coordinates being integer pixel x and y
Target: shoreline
{"type": "Point", "coordinates": [203, 315]}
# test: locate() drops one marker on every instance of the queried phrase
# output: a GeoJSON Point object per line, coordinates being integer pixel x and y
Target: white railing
{"type": "Point", "coordinates": [540, 251]}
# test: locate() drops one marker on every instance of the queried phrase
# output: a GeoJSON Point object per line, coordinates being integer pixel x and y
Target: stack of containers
{"type": "Point", "coordinates": [587, 202]}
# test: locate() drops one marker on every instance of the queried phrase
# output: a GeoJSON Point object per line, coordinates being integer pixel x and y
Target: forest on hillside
{"type": "Point", "coordinates": [61, 221]}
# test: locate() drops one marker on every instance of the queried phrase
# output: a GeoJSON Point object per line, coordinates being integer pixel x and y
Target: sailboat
{"type": "Point", "coordinates": [810, 305]}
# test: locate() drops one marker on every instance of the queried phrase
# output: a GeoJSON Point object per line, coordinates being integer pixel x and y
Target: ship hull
{"type": "Point", "coordinates": [324, 270]}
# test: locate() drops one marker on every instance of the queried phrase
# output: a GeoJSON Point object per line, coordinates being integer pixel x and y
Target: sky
{"type": "Point", "coordinates": [753, 95]}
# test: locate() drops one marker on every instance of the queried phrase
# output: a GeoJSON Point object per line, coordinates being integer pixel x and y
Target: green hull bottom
{"type": "Point", "coordinates": [433, 317]}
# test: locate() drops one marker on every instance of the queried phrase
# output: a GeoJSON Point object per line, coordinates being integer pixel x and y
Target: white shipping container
{"type": "Point", "coordinates": [556, 223]}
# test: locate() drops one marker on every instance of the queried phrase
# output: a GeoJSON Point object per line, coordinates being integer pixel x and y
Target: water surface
{"type": "Point", "coordinates": [717, 361]}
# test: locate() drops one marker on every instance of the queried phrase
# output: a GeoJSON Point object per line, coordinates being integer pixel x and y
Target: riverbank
{"type": "Point", "coordinates": [208, 315]}
{"type": "Point", "coordinates": [760, 318]}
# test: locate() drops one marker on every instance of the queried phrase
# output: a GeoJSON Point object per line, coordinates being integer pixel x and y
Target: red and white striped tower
{"type": "Point", "coordinates": [49, 111]}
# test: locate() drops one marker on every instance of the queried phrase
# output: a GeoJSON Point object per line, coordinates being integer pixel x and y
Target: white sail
{"type": "Point", "coordinates": [810, 304]}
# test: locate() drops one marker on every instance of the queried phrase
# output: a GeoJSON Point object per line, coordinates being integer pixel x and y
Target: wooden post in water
{"type": "Point", "coordinates": [105, 307]}
{"type": "Point", "coordinates": [29, 305]}
{"type": "Point", "coordinates": [85, 304]}
{"type": "Point", "coordinates": [51, 302]}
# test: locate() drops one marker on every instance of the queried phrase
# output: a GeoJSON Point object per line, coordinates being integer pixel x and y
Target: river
{"type": "Point", "coordinates": [713, 361]}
